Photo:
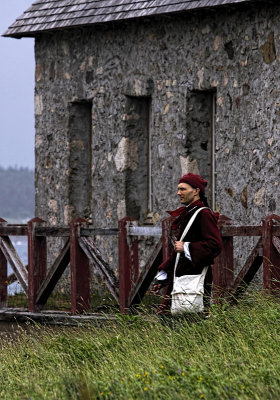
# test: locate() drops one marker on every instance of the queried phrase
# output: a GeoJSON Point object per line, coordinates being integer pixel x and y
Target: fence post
{"type": "Point", "coordinates": [37, 261]}
{"type": "Point", "coordinates": [271, 257]}
{"type": "Point", "coordinates": [166, 238]}
{"type": "Point", "coordinates": [223, 270]}
{"type": "Point", "coordinates": [128, 262]}
{"type": "Point", "coordinates": [80, 270]}
{"type": "Point", "coordinates": [3, 274]}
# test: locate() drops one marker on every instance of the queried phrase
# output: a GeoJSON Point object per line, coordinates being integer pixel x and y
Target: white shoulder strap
{"type": "Point", "coordinates": [189, 224]}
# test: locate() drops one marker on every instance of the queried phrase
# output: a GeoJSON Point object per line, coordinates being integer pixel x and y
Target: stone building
{"type": "Point", "coordinates": [130, 95]}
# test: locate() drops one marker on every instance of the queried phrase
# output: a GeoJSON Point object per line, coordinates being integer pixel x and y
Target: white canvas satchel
{"type": "Point", "coordinates": [188, 290]}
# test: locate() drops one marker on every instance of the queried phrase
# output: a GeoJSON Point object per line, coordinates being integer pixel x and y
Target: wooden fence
{"type": "Point", "coordinates": [130, 286]}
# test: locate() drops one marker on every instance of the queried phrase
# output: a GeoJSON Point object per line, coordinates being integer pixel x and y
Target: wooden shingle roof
{"type": "Point", "coordinates": [49, 15]}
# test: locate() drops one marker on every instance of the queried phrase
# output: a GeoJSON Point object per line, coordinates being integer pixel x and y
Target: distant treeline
{"type": "Point", "coordinates": [17, 194]}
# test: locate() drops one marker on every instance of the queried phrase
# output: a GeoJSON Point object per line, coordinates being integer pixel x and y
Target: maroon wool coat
{"type": "Point", "coordinates": [204, 237]}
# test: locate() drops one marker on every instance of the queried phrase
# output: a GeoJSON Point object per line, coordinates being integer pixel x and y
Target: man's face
{"type": "Point", "coordinates": [187, 193]}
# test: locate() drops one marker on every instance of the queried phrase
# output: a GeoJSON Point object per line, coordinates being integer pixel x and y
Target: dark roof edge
{"type": "Point", "coordinates": [18, 35]}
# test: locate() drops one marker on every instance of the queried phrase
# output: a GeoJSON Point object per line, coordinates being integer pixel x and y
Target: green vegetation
{"type": "Point", "coordinates": [100, 301]}
{"type": "Point", "coordinates": [232, 355]}
{"type": "Point", "coordinates": [17, 194]}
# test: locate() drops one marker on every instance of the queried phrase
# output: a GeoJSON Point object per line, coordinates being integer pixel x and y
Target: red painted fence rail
{"type": "Point", "coordinates": [132, 284]}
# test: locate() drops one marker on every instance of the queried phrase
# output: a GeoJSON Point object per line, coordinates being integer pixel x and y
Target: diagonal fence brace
{"type": "Point", "coordinates": [146, 276]}
{"type": "Point", "coordinates": [11, 255]}
{"type": "Point", "coordinates": [54, 274]}
{"type": "Point", "coordinates": [248, 271]}
{"type": "Point", "coordinates": [102, 267]}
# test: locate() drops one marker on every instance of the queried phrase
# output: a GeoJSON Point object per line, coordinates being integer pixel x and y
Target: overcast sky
{"type": "Point", "coordinates": [16, 91]}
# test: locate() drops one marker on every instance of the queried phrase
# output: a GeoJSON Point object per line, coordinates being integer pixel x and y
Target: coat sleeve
{"type": "Point", "coordinates": [209, 245]}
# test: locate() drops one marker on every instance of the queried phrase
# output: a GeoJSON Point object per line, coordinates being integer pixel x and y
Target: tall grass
{"type": "Point", "coordinates": [234, 355]}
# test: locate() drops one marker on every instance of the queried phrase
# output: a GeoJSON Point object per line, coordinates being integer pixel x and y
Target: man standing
{"type": "Point", "coordinates": [201, 244]}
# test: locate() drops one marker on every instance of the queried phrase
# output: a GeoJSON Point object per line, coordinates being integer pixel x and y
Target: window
{"type": "Point", "coordinates": [200, 143]}
{"type": "Point", "coordinates": [80, 130]}
{"type": "Point", "coordinates": [138, 184]}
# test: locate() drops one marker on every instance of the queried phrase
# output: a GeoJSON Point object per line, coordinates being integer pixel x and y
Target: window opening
{"type": "Point", "coordinates": [138, 182]}
{"type": "Point", "coordinates": [200, 142]}
{"type": "Point", "coordinates": [80, 182]}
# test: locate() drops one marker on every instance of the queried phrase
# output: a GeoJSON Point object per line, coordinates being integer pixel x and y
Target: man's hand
{"type": "Point", "coordinates": [179, 247]}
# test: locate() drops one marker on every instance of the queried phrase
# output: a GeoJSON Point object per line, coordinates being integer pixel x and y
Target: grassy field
{"type": "Point", "coordinates": [232, 355]}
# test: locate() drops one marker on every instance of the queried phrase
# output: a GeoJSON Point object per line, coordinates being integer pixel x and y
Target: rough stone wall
{"type": "Point", "coordinates": [236, 53]}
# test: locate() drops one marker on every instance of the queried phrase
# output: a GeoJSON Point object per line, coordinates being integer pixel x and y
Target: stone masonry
{"type": "Point", "coordinates": [138, 82]}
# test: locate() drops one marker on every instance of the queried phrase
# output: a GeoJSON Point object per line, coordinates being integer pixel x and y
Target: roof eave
{"type": "Point", "coordinates": [20, 34]}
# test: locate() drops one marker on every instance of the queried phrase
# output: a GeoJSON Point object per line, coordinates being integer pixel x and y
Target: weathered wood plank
{"type": "Point", "coordinates": [223, 270]}
{"type": "Point", "coordinates": [54, 274]}
{"type": "Point", "coordinates": [102, 267]}
{"type": "Point", "coordinates": [58, 231]}
{"type": "Point", "coordinates": [144, 230]}
{"type": "Point", "coordinates": [271, 259]}
{"type": "Point", "coordinates": [37, 261]}
{"type": "Point", "coordinates": [276, 243]}
{"type": "Point", "coordinates": [80, 270]}
{"type": "Point", "coordinates": [11, 278]}
{"type": "Point", "coordinates": [15, 262]}
{"type": "Point", "coordinates": [3, 279]}
{"type": "Point", "coordinates": [245, 230]}
{"type": "Point", "coordinates": [52, 317]}
{"type": "Point", "coordinates": [3, 273]}
{"type": "Point", "coordinates": [99, 231]}
{"type": "Point", "coordinates": [13, 230]}
{"type": "Point", "coordinates": [226, 230]}
{"type": "Point", "coordinates": [248, 271]}
{"type": "Point", "coordinates": [128, 261]}
{"type": "Point", "coordinates": [276, 230]}
{"type": "Point", "coordinates": [63, 231]}
{"type": "Point", "coordinates": [146, 276]}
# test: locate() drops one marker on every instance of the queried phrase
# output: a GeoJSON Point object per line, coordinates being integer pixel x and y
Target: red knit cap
{"type": "Point", "coordinates": [195, 181]}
